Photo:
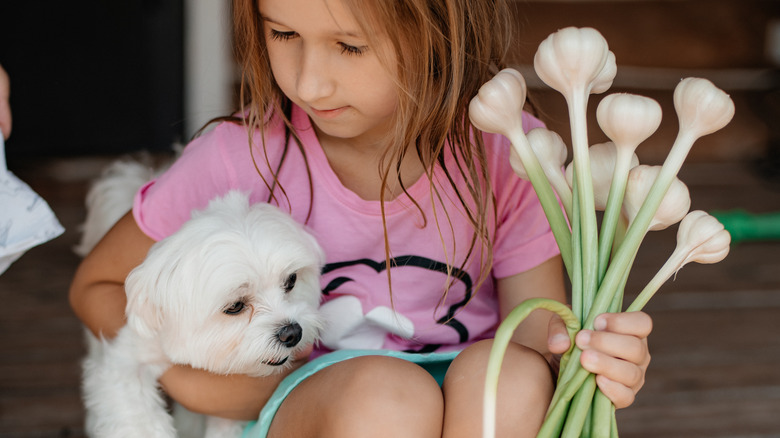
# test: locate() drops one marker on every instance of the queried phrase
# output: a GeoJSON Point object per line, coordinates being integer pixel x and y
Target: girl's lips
{"type": "Point", "coordinates": [330, 113]}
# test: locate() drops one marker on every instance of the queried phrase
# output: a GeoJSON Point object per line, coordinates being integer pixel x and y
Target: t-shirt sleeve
{"type": "Point", "coordinates": [200, 174]}
{"type": "Point", "coordinates": [523, 238]}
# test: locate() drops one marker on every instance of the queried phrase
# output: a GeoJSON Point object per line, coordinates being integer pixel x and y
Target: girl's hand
{"type": "Point", "coordinates": [616, 351]}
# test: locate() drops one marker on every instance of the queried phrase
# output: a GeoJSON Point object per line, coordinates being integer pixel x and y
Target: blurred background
{"type": "Point", "coordinates": [94, 80]}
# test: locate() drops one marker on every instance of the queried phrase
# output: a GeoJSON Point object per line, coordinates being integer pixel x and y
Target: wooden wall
{"type": "Point", "coordinates": [656, 44]}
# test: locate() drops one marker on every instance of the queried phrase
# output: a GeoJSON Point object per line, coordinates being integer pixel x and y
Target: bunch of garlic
{"type": "Point", "coordinates": [635, 198]}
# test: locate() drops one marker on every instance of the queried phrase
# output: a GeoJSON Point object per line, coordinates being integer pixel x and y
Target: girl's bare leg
{"type": "Point", "coordinates": [524, 391]}
{"type": "Point", "coordinates": [371, 396]}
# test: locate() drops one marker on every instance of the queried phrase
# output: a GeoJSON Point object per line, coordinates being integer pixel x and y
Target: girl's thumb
{"type": "Point", "coordinates": [557, 336]}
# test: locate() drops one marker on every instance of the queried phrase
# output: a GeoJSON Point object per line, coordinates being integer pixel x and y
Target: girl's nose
{"type": "Point", "coordinates": [314, 79]}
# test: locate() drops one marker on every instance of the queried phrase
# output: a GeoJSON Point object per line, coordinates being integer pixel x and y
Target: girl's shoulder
{"type": "Point", "coordinates": [220, 160]}
{"type": "Point", "coordinates": [233, 133]}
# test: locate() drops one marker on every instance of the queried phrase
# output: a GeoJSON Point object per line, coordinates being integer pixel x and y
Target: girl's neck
{"type": "Point", "coordinates": [357, 166]}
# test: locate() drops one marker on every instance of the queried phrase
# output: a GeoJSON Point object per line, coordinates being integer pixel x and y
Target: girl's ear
{"type": "Point", "coordinates": [143, 316]}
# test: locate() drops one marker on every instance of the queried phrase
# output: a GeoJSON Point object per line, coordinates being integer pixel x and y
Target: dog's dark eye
{"type": "Point", "coordinates": [289, 284]}
{"type": "Point", "coordinates": [235, 308]}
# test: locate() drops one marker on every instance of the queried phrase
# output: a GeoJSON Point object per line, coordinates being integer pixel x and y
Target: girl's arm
{"type": "Point", "coordinates": [616, 351]}
{"type": "Point", "coordinates": [97, 293]}
{"type": "Point", "coordinates": [98, 298]}
{"type": "Point", "coordinates": [543, 281]}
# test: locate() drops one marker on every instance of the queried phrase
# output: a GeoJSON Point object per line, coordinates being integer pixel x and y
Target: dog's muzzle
{"type": "Point", "coordinates": [290, 334]}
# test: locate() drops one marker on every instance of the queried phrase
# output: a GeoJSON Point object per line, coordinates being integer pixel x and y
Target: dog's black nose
{"type": "Point", "coordinates": [290, 334]}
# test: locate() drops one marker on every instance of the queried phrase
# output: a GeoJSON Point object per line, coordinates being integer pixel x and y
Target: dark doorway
{"type": "Point", "coordinates": [92, 76]}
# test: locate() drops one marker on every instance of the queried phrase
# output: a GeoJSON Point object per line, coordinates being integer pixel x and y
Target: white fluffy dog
{"type": "Point", "coordinates": [235, 291]}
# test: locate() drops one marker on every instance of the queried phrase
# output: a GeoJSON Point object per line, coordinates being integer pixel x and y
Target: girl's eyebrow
{"type": "Point", "coordinates": [270, 20]}
{"type": "Point", "coordinates": [339, 33]}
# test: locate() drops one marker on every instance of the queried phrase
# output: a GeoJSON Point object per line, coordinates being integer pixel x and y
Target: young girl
{"type": "Point", "coordinates": [355, 121]}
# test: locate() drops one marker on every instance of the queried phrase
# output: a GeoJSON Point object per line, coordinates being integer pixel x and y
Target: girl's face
{"type": "Point", "coordinates": [322, 62]}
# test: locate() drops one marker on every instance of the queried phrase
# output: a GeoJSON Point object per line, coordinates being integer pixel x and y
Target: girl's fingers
{"type": "Point", "coordinates": [624, 347]}
{"type": "Point", "coordinates": [620, 395]}
{"type": "Point", "coordinates": [558, 338]}
{"type": "Point", "coordinates": [637, 324]}
{"type": "Point", "coordinates": [620, 371]}
{"type": "Point", "coordinates": [617, 353]}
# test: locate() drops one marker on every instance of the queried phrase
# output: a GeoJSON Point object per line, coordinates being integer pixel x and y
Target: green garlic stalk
{"type": "Point", "coordinates": [700, 238]}
{"type": "Point", "coordinates": [551, 152]}
{"type": "Point", "coordinates": [498, 108]}
{"type": "Point", "coordinates": [627, 120]}
{"type": "Point", "coordinates": [673, 207]}
{"type": "Point", "coordinates": [500, 343]}
{"type": "Point", "coordinates": [702, 109]}
{"type": "Point", "coordinates": [603, 158]}
{"type": "Point", "coordinates": [577, 62]}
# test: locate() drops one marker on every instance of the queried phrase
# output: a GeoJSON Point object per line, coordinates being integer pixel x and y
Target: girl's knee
{"type": "Point", "coordinates": [390, 397]}
{"type": "Point", "coordinates": [521, 366]}
{"type": "Point", "coordinates": [374, 396]}
{"type": "Point", "coordinates": [524, 391]}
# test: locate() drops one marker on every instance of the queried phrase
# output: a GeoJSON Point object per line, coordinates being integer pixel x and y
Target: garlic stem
{"type": "Point", "coordinates": [702, 109]}
{"type": "Point", "coordinates": [673, 207]}
{"type": "Point", "coordinates": [700, 238]}
{"type": "Point", "coordinates": [577, 293]}
{"type": "Point", "coordinates": [500, 343]}
{"type": "Point", "coordinates": [580, 408]}
{"type": "Point", "coordinates": [562, 397]}
{"type": "Point", "coordinates": [576, 62]}
{"type": "Point", "coordinates": [497, 108]}
{"type": "Point", "coordinates": [627, 120]}
{"type": "Point", "coordinates": [603, 415]}
{"type": "Point", "coordinates": [551, 152]}
{"type": "Point", "coordinates": [589, 230]}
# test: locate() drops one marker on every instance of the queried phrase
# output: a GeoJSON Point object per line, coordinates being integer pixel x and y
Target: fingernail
{"type": "Point", "coordinates": [583, 338]}
{"type": "Point", "coordinates": [600, 323]}
{"type": "Point", "coordinates": [559, 338]}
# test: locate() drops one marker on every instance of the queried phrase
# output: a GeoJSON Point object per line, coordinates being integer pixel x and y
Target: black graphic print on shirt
{"type": "Point", "coordinates": [410, 261]}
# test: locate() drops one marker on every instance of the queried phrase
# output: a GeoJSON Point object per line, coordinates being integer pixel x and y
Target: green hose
{"type": "Point", "coordinates": [745, 226]}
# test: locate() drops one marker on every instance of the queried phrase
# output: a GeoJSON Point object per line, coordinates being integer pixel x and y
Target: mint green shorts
{"type": "Point", "coordinates": [435, 363]}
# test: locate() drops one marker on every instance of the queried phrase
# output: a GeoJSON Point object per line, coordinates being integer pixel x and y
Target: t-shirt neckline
{"type": "Point", "coordinates": [323, 173]}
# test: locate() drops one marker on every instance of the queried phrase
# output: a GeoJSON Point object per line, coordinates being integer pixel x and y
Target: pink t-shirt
{"type": "Point", "coordinates": [350, 231]}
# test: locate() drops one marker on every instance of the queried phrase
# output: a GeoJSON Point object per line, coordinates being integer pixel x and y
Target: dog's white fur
{"type": "Point", "coordinates": [222, 294]}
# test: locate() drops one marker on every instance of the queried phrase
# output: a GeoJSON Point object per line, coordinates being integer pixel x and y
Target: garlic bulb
{"type": "Point", "coordinates": [700, 238]}
{"type": "Point", "coordinates": [551, 152]}
{"type": "Point", "coordinates": [498, 106]}
{"type": "Point", "coordinates": [628, 119]}
{"type": "Point", "coordinates": [701, 107]}
{"type": "Point", "coordinates": [602, 164]}
{"type": "Point", "coordinates": [703, 237]}
{"type": "Point", "coordinates": [575, 58]}
{"type": "Point", "coordinates": [577, 62]}
{"type": "Point", "coordinates": [604, 79]}
{"type": "Point", "coordinates": [673, 207]}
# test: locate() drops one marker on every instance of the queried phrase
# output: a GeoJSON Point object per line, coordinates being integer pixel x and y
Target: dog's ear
{"type": "Point", "coordinates": [143, 316]}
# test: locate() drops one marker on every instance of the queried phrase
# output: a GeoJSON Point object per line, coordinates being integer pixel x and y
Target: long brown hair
{"type": "Point", "coordinates": [444, 50]}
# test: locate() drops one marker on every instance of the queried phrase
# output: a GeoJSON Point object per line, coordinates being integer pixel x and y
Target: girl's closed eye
{"type": "Point", "coordinates": [353, 50]}
{"type": "Point", "coordinates": [278, 35]}
{"type": "Point", "coordinates": [349, 49]}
